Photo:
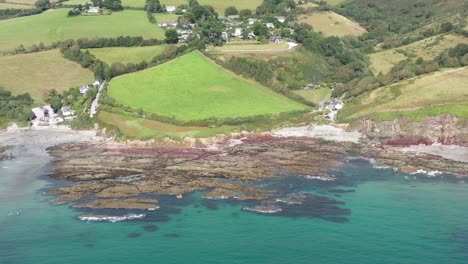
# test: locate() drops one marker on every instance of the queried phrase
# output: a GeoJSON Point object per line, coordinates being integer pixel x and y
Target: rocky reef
{"type": "Point", "coordinates": [105, 176]}
{"type": "Point", "coordinates": [117, 176]}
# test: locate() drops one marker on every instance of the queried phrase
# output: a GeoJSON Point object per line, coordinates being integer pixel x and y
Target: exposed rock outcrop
{"type": "Point", "coordinates": [403, 131]}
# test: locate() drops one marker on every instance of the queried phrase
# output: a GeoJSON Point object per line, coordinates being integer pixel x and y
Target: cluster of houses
{"type": "Point", "coordinates": [331, 107]}
{"type": "Point", "coordinates": [47, 116]}
{"type": "Point", "coordinates": [235, 28]}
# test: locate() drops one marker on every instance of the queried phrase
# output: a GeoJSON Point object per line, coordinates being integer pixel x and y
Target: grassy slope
{"type": "Point", "coordinates": [77, 2]}
{"type": "Point", "coordinates": [127, 54]}
{"type": "Point", "coordinates": [427, 94]}
{"type": "Point", "coordinates": [428, 49]}
{"type": "Point", "coordinates": [37, 73]}
{"type": "Point", "coordinates": [315, 95]}
{"type": "Point", "coordinates": [55, 25]}
{"type": "Point", "coordinates": [14, 6]}
{"type": "Point", "coordinates": [144, 128]}
{"type": "Point", "coordinates": [331, 23]}
{"type": "Point", "coordinates": [336, 2]}
{"type": "Point", "coordinates": [280, 47]}
{"type": "Point", "coordinates": [192, 87]}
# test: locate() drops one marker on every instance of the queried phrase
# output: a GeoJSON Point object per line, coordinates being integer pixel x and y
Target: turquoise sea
{"type": "Point", "coordinates": [390, 218]}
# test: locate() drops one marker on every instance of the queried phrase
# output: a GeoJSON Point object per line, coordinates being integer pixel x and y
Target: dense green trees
{"type": "Point", "coordinates": [15, 107]}
{"type": "Point", "coordinates": [231, 10]}
{"type": "Point", "coordinates": [172, 36]}
{"type": "Point", "coordinates": [109, 4]}
{"type": "Point", "coordinates": [153, 6]}
{"type": "Point", "coordinates": [275, 7]}
{"type": "Point", "coordinates": [42, 4]}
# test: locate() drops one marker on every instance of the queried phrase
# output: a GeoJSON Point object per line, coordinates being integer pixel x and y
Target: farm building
{"type": "Point", "coordinates": [170, 9]}
{"type": "Point", "coordinates": [93, 9]}
{"type": "Point", "coordinates": [281, 19]}
{"type": "Point", "coordinates": [84, 89]}
{"type": "Point", "coordinates": [167, 24]}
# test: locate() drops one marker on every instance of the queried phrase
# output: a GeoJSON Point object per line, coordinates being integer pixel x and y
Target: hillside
{"type": "Point", "coordinates": [54, 25]}
{"type": "Point", "coordinates": [172, 90]}
{"type": "Point", "coordinates": [408, 19]}
{"type": "Point", "coordinates": [37, 73]}
{"type": "Point", "coordinates": [439, 92]}
{"type": "Point", "coordinates": [428, 49]}
{"type": "Point", "coordinates": [332, 24]}
{"type": "Point", "coordinates": [126, 55]}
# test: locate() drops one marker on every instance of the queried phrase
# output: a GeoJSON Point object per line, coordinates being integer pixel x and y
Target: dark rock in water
{"type": "Point", "coordinates": [156, 218]}
{"type": "Point", "coordinates": [199, 211]}
{"type": "Point", "coordinates": [338, 195]}
{"type": "Point", "coordinates": [304, 205]}
{"type": "Point", "coordinates": [460, 236]}
{"type": "Point", "coordinates": [340, 191]}
{"type": "Point", "coordinates": [151, 228]}
{"type": "Point", "coordinates": [89, 245]}
{"type": "Point", "coordinates": [235, 214]}
{"type": "Point", "coordinates": [134, 235]}
{"type": "Point", "coordinates": [337, 219]}
{"type": "Point", "coordinates": [210, 204]}
{"type": "Point", "coordinates": [172, 235]}
{"type": "Point", "coordinates": [196, 206]}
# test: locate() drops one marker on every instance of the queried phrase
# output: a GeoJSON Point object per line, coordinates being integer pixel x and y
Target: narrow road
{"type": "Point", "coordinates": [95, 103]}
{"type": "Point", "coordinates": [291, 45]}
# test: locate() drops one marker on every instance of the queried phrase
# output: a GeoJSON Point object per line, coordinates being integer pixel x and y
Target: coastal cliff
{"type": "Point", "coordinates": [403, 131]}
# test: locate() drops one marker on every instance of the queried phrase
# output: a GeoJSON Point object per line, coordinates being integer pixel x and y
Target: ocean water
{"type": "Point", "coordinates": [389, 218]}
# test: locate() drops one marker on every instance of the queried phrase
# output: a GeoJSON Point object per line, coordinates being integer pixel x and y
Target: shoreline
{"type": "Point", "coordinates": [103, 174]}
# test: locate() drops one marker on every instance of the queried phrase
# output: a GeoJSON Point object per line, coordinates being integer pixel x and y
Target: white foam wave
{"type": "Point", "coordinates": [109, 218]}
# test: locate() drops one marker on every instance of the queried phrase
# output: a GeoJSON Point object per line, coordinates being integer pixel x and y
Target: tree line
{"type": "Point", "coordinates": [72, 50]}
{"type": "Point", "coordinates": [263, 73]}
{"type": "Point", "coordinates": [15, 107]}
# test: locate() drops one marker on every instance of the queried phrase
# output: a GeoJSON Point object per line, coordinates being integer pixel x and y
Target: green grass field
{"type": "Point", "coordinates": [218, 5]}
{"type": "Point", "coordinates": [331, 23]}
{"type": "Point", "coordinates": [144, 128]}
{"type": "Point", "coordinates": [315, 95]}
{"type": "Point", "coordinates": [426, 94]}
{"type": "Point", "coordinates": [459, 110]}
{"type": "Point", "coordinates": [127, 54]}
{"type": "Point", "coordinates": [192, 87]}
{"type": "Point", "coordinates": [271, 47]}
{"type": "Point", "coordinates": [336, 2]}
{"type": "Point", "coordinates": [54, 25]}
{"type": "Point", "coordinates": [37, 73]}
{"type": "Point", "coordinates": [77, 2]}
{"type": "Point", "coordinates": [14, 6]}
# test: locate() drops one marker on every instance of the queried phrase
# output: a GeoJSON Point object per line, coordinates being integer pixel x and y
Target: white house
{"type": "Point", "coordinates": [252, 21]}
{"type": "Point", "coordinates": [281, 19]}
{"type": "Point", "coordinates": [233, 16]}
{"type": "Point", "coordinates": [93, 9]}
{"type": "Point", "coordinates": [167, 24]}
{"type": "Point", "coordinates": [67, 111]}
{"type": "Point", "coordinates": [237, 32]}
{"type": "Point", "coordinates": [84, 89]}
{"type": "Point", "coordinates": [96, 83]}
{"type": "Point", "coordinates": [170, 9]}
{"type": "Point", "coordinates": [270, 25]}
{"type": "Point", "coordinates": [275, 39]}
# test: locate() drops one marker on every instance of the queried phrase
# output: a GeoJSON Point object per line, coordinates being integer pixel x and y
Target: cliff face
{"type": "Point", "coordinates": [445, 129]}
